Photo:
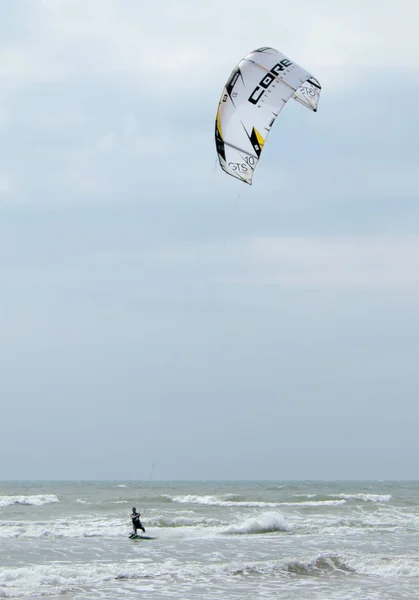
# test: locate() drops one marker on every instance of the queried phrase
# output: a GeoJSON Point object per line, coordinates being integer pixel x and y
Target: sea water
{"type": "Point", "coordinates": [212, 540]}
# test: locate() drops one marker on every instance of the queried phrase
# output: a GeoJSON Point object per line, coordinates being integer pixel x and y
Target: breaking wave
{"type": "Point", "coordinates": [367, 497]}
{"type": "Point", "coordinates": [58, 578]}
{"type": "Point", "coordinates": [37, 500]}
{"type": "Point", "coordinates": [268, 522]}
{"type": "Point", "coordinates": [225, 501]}
{"type": "Point", "coordinates": [185, 522]}
{"type": "Point", "coordinates": [319, 565]}
{"type": "Point", "coordinates": [221, 501]}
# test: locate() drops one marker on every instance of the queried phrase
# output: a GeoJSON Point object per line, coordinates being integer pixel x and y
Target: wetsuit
{"type": "Point", "coordinates": [136, 523]}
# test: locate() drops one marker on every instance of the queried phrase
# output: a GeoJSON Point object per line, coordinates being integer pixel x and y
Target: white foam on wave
{"type": "Point", "coordinates": [185, 522]}
{"type": "Point", "coordinates": [322, 563]}
{"type": "Point", "coordinates": [366, 497]}
{"type": "Point", "coordinates": [76, 527]}
{"type": "Point", "coordinates": [268, 522]}
{"type": "Point", "coordinates": [385, 566]}
{"type": "Point", "coordinates": [365, 564]}
{"type": "Point", "coordinates": [353, 522]}
{"type": "Point", "coordinates": [84, 526]}
{"type": "Point", "coordinates": [314, 503]}
{"type": "Point", "coordinates": [217, 501]}
{"type": "Point", "coordinates": [121, 485]}
{"type": "Point", "coordinates": [52, 579]}
{"type": "Point", "coordinates": [305, 495]}
{"type": "Point", "coordinates": [206, 500]}
{"type": "Point", "coordinates": [58, 578]}
{"type": "Point", "coordinates": [37, 500]}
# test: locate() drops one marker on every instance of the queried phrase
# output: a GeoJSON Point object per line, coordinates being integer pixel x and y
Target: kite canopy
{"type": "Point", "coordinates": [255, 93]}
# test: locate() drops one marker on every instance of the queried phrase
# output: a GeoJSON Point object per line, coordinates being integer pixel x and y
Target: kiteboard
{"type": "Point", "coordinates": [140, 537]}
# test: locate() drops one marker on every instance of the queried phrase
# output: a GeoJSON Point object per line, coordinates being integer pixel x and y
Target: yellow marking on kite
{"type": "Point", "coordinates": [259, 138]}
{"type": "Point", "coordinates": [220, 131]}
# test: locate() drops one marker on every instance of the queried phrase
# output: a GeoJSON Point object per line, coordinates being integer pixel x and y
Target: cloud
{"type": "Point", "coordinates": [297, 263]}
{"type": "Point", "coordinates": [313, 263]}
{"type": "Point", "coordinates": [192, 45]}
{"type": "Point", "coordinates": [129, 261]}
{"type": "Point", "coordinates": [105, 99]}
{"type": "Point", "coordinates": [5, 184]}
{"type": "Point", "coordinates": [171, 38]}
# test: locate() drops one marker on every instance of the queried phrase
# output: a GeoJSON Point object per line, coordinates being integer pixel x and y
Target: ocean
{"type": "Point", "coordinates": [211, 540]}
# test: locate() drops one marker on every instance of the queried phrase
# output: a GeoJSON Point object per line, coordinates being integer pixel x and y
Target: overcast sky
{"type": "Point", "coordinates": [154, 310]}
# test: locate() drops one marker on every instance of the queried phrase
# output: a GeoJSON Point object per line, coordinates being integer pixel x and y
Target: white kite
{"type": "Point", "coordinates": [254, 95]}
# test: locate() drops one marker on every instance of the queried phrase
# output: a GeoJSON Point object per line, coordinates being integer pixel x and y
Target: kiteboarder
{"type": "Point", "coordinates": [136, 523]}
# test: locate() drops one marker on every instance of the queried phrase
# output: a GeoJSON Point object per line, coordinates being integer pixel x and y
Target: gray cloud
{"type": "Point", "coordinates": [244, 324]}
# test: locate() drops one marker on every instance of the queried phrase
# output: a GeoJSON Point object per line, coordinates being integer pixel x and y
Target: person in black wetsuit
{"type": "Point", "coordinates": [136, 523]}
